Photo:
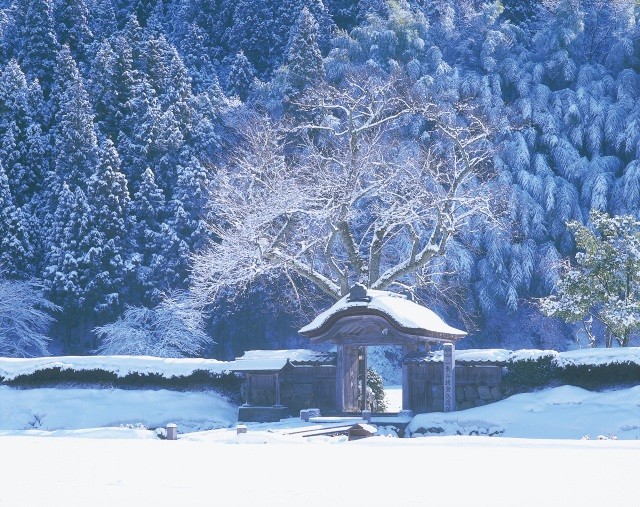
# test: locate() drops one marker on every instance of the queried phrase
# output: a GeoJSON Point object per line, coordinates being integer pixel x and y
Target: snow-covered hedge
{"type": "Point", "coordinates": [529, 369]}
{"type": "Point", "coordinates": [122, 371]}
{"type": "Point", "coordinates": [111, 366]}
{"type": "Point", "coordinates": [581, 357]}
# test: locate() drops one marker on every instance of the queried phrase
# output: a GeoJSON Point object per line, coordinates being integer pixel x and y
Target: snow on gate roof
{"type": "Point", "coordinates": [406, 315]}
{"type": "Point", "coordinates": [275, 360]}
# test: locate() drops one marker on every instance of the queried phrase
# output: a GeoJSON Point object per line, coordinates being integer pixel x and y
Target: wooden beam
{"type": "Point", "coordinates": [449, 377]}
{"type": "Point", "coordinates": [277, 380]}
{"type": "Point", "coordinates": [340, 373]}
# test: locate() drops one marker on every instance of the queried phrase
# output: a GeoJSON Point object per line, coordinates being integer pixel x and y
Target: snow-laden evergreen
{"type": "Point", "coordinates": [169, 83]}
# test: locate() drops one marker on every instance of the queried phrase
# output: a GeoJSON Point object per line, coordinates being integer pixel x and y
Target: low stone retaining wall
{"type": "Point", "coordinates": [476, 385]}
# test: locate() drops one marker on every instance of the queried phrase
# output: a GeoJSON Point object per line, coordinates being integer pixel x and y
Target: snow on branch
{"type": "Point", "coordinates": [25, 319]}
{"type": "Point", "coordinates": [172, 329]}
{"type": "Point", "coordinates": [356, 202]}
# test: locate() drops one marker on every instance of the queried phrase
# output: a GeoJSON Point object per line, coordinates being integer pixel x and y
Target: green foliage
{"type": "Point", "coordinates": [604, 282]}
{"type": "Point", "coordinates": [601, 376]}
{"type": "Point", "coordinates": [525, 375]}
{"type": "Point", "coordinates": [529, 374]}
{"type": "Point", "coordinates": [376, 384]}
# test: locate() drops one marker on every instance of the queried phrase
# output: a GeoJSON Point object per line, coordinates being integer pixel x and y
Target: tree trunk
{"type": "Point", "coordinates": [608, 339]}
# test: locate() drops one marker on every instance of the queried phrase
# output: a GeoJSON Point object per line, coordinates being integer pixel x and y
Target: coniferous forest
{"type": "Point", "coordinates": [264, 155]}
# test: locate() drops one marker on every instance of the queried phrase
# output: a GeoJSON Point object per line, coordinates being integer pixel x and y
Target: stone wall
{"type": "Point", "coordinates": [476, 385]}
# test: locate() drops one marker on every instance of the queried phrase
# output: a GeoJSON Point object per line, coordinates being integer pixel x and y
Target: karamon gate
{"type": "Point", "coordinates": [279, 383]}
{"type": "Point", "coordinates": [367, 318]}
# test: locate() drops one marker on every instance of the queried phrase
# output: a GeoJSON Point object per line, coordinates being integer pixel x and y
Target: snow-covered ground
{"type": "Point", "coordinates": [574, 447]}
{"type": "Point", "coordinates": [72, 409]}
{"type": "Point", "coordinates": [377, 472]}
{"type": "Point", "coordinates": [393, 397]}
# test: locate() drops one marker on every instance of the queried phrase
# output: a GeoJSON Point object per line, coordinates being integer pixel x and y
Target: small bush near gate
{"type": "Point", "coordinates": [375, 383]}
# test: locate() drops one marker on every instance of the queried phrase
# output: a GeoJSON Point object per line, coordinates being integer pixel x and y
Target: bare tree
{"type": "Point", "coordinates": [345, 197]}
{"type": "Point", "coordinates": [25, 319]}
{"type": "Point", "coordinates": [171, 329]}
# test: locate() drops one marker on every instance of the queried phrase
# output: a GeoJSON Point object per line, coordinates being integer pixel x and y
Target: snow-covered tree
{"type": "Point", "coordinates": [160, 258]}
{"type": "Point", "coordinates": [241, 76]}
{"type": "Point", "coordinates": [303, 58]}
{"type": "Point", "coordinates": [24, 147]}
{"type": "Point", "coordinates": [344, 200]}
{"type": "Point", "coordinates": [604, 281]}
{"type": "Point", "coordinates": [74, 136]}
{"type": "Point", "coordinates": [69, 256]}
{"type": "Point", "coordinates": [16, 249]}
{"type": "Point", "coordinates": [171, 329]}
{"type": "Point", "coordinates": [36, 43]}
{"type": "Point", "coordinates": [72, 26]}
{"type": "Point", "coordinates": [108, 199]}
{"type": "Point", "coordinates": [25, 319]}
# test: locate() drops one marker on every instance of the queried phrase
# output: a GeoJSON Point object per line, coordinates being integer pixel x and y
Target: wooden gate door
{"type": "Point", "coordinates": [351, 385]}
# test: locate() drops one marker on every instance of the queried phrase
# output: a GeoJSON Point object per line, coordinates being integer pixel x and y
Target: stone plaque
{"type": "Point", "coordinates": [449, 377]}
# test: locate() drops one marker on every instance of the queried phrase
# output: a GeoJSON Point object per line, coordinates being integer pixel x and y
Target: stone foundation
{"type": "Point", "coordinates": [262, 414]}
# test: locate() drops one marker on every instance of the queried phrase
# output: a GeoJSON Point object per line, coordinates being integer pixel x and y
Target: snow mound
{"type": "Point", "coordinates": [564, 412]}
{"type": "Point", "coordinates": [69, 409]}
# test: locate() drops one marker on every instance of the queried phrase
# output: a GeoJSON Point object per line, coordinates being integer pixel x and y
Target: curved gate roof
{"type": "Point", "coordinates": [400, 312]}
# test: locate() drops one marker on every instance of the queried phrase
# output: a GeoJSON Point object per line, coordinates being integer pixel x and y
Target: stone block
{"type": "Point", "coordinates": [484, 393]}
{"type": "Point", "coordinates": [471, 393]}
{"type": "Point", "coordinates": [437, 405]}
{"type": "Point", "coordinates": [479, 403]}
{"type": "Point", "coordinates": [314, 412]}
{"type": "Point", "coordinates": [496, 394]}
{"type": "Point", "coordinates": [459, 394]}
{"type": "Point", "coordinates": [172, 432]}
{"type": "Point", "coordinates": [252, 413]}
{"type": "Point", "coordinates": [466, 405]}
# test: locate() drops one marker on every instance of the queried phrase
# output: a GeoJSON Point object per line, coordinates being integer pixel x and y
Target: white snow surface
{"type": "Point", "coordinates": [83, 446]}
{"type": "Point", "coordinates": [586, 357]}
{"type": "Point", "coordinates": [62, 409]}
{"type": "Point", "coordinates": [597, 357]}
{"type": "Point", "coordinates": [558, 447]}
{"type": "Point", "coordinates": [121, 366]}
{"type": "Point", "coordinates": [397, 307]}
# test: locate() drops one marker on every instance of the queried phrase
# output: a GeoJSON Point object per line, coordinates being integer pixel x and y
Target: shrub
{"type": "Point", "coordinates": [376, 384]}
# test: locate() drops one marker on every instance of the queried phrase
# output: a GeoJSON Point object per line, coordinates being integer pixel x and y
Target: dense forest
{"type": "Point", "coordinates": [122, 122]}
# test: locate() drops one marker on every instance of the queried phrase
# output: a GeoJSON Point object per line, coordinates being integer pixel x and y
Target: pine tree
{"type": "Point", "coordinates": [66, 259]}
{"type": "Point", "coordinates": [189, 202]}
{"type": "Point", "coordinates": [23, 146]}
{"type": "Point", "coordinates": [113, 84]}
{"type": "Point", "coordinates": [36, 43]}
{"type": "Point", "coordinates": [16, 252]}
{"type": "Point", "coordinates": [108, 200]}
{"type": "Point", "coordinates": [141, 130]}
{"type": "Point", "coordinates": [166, 73]}
{"type": "Point", "coordinates": [241, 76]}
{"type": "Point", "coordinates": [72, 26]}
{"type": "Point", "coordinates": [146, 211]}
{"type": "Point", "coordinates": [73, 136]}
{"type": "Point", "coordinates": [260, 28]}
{"type": "Point", "coordinates": [102, 21]}
{"type": "Point", "coordinates": [304, 60]}
{"type": "Point", "coordinates": [603, 282]}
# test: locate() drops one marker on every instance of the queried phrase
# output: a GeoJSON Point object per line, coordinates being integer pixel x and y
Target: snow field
{"type": "Point", "coordinates": [446, 471]}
